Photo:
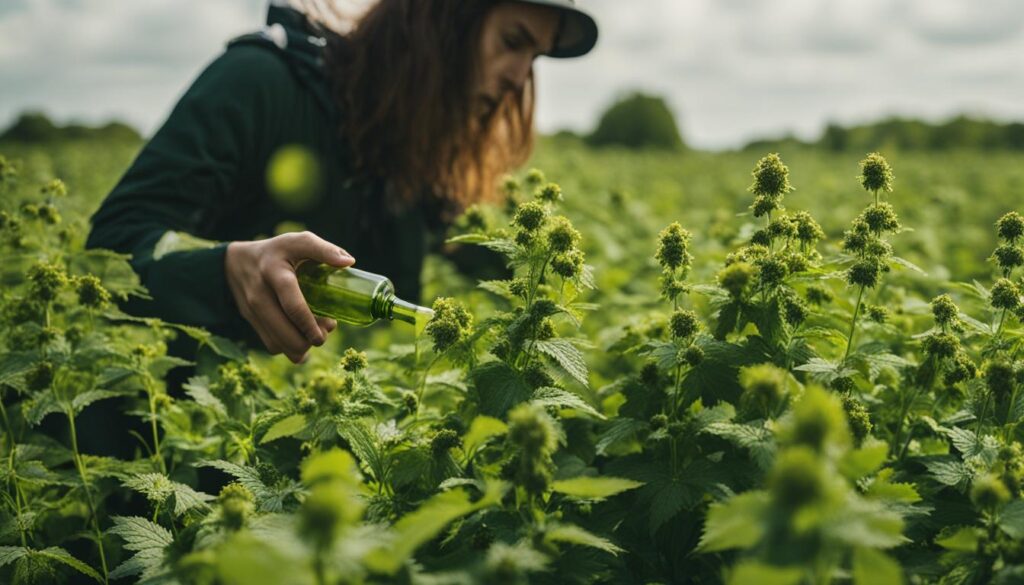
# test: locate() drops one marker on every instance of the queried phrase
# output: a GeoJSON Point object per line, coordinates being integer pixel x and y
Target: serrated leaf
{"type": "Point", "coordinates": [498, 388]}
{"type": "Point", "coordinates": [268, 498]}
{"type": "Point", "coordinates": [550, 396]}
{"type": "Point", "coordinates": [572, 534]}
{"type": "Point", "coordinates": [873, 567]}
{"type": "Point", "coordinates": [1011, 519]}
{"type": "Point", "coordinates": [756, 439]}
{"type": "Point", "coordinates": [9, 554]}
{"type": "Point", "coordinates": [158, 488]}
{"type": "Point", "coordinates": [618, 431]}
{"type": "Point", "coordinates": [736, 523]}
{"type": "Point", "coordinates": [89, 396]}
{"type": "Point", "coordinates": [146, 539]}
{"type": "Point", "coordinates": [364, 445]}
{"type": "Point", "coordinates": [594, 487]}
{"type": "Point", "coordinates": [286, 427]}
{"type": "Point", "coordinates": [567, 355]}
{"type": "Point", "coordinates": [480, 431]}
{"type": "Point", "coordinates": [198, 388]}
{"type": "Point", "coordinates": [56, 553]}
{"type": "Point", "coordinates": [962, 539]}
{"type": "Point", "coordinates": [949, 472]}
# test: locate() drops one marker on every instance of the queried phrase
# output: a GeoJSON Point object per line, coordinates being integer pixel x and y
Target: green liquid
{"type": "Point", "coordinates": [355, 296]}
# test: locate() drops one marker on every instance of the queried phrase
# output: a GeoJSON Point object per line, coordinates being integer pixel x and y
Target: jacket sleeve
{"type": "Point", "coordinates": [186, 175]}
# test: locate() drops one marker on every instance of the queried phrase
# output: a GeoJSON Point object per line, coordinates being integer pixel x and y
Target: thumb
{"type": "Point", "coordinates": [309, 246]}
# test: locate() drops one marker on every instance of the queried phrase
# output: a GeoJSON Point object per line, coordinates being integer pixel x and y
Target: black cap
{"type": "Point", "coordinates": [577, 30]}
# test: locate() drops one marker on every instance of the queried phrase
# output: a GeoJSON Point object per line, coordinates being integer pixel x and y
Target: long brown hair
{"type": "Point", "coordinates": [401, 74]}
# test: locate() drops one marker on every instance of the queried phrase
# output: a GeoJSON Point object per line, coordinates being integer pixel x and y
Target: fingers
{"type": "Point", "coordinates": [326, 324]}
{"type": "Point", "coordinates": [281, 330]}
{"type": "Point", "coordinates": [289, 296]}
{"type": "Point", "coordinates": [307, 245]}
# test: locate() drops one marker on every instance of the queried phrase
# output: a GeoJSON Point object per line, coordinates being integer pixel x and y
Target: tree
{"type": "Point", "coordinates": [638, 121]}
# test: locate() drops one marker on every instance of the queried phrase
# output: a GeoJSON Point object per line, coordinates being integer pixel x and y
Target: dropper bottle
{"type": "Point", "coordinates": [355, 296]}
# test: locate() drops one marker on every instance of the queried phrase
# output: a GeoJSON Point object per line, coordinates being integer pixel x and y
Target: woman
{"type": "Point", "coordinates": [373, 138]}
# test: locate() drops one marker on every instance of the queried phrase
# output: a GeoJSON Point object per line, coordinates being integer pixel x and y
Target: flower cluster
{"type": "Point", "coordinates": [865, 239]}
{"type": "Point", "coordinates": [771, 183]}
{"type": "Point", "coordinates": [451, 323]}
{"type": "Point", "coordinates": [534, 434]}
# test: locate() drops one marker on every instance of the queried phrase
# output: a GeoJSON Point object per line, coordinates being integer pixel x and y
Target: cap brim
{"type": "Point", "coordinates": [577, 33]}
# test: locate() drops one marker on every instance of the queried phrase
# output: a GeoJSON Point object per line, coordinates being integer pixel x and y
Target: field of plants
{"type": "Point", "coordinates": [742, 367]}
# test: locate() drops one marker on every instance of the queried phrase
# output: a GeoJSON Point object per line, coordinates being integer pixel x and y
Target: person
{"type": "Point", "coordinates": [372, 139]}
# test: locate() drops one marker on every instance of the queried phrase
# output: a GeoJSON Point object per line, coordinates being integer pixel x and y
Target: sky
{"type": "Point", "coordinates": [731, 70]}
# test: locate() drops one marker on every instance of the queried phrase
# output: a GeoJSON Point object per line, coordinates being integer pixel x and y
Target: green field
{"type": "Point", "coordinates": [786, 394]}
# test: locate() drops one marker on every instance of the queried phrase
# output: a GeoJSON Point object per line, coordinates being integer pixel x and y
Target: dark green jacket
{"type": "Point", "coordinates": [203, 174]}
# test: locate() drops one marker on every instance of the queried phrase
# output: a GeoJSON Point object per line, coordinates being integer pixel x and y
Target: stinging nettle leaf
{"type": "Point", "coordinates": [567, 355]}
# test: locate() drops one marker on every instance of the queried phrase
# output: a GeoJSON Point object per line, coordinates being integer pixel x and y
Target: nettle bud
{"type": "Point", "coordinates": [673, 247]}
{"type": "Point", "coordinates": [793, 310]}
{"type": "Point", "coordinates": [782, 228]}
{"type": "Point", "coordinates": [1010, 226]}
{"type": "Point", "coordinates": [1008, 257]}
{"type": "Point", "coordinates": [532, 429]}
{"type": "Point", "coordinates": [46, 280]}
{"type": "Point", "coordinates": [772, 272]}
{"type": "Point", "coordinates": [40, 376]}
{"type": "Point", "coordinates": [817, 294]}
{"type": "Point", "coordinates": [537, 376]}
{"type": "Point", "coordinates": [54, 188]}
{"type": "Point", "coordinates": [324, 514]}
{"type": "Point", "coordinates": [941, 345]}
{"type": "Point", "coordinates": [771, 177]}
{"type": "Point", "coordinates": [353, 360]}
{"type": "Point", "coordinates": [1000, 379]}
{"type": "Point", "coordinates": [451, 323]}
{"type": "Point", "coordinates": [736, 278]}
{"type": "Point", "coordinates": [649, 375]}
{"type": "Point", "coordinates": [444, 441]}
{"type": "Point", "coordinates": [761, 238]}
{"type": "Point", "coordinates": [684, 324]}
{"type": "Point", "coordinates": [236, 505]}
{"type": "Point", "coordinates": [91, 292]}
{"type": "Point", "coordinates": [876, 313]}
{"type": "Point", "coordinates": [1005, 294]}
{"type": "Point", "coordinates": [856, 240]}
{"type": "Point", "coordinates": [550, 193]}
{"type": "Point", "coordinates": [530, 216]}
{"type": "Point", "coordinates": [510, 186]}
{"type": "Point", "coordinates": [562, 236]}
{"type": "Point", "coordinates": [797, 479]}
{"type": "Point", "coordinates": [693, 355]}
{"type": "Point", "coordinates": [764, 385]}
{"type": "Point", "coordinates": [410, 403]}
{"type": "Point", "coordinates": [945, 311]}
{"type": "Point", "coordinates": [818, 420]}
{"type": "Point", "coordinates": [475, 218]}
{"type": "Point", "coordinates": [858, 418]}
{"type": "Point", "coordinates": [796, 263]}
{"type": "Point", "coordinates": [807, 230]}
{"type": "Point", "coordinates": [960, 369]}
{"type": "Point", "coordinates": [671, 286]}
{"type": "Point", "coordinates": [763, 205]}
{"type": "Point", "coordinates": [658, 421]}
{"type": "Point", "coordinates": [989, 492]}
{"type": "Point", "coordinates": [519, 287]}
{"type": "Point", "coordinates": [881, 217]}
{"type": "Point", "coordinates": [568, 264]}
{"type": "Point", "coordinates": [875, 173]}
{"type": "Point", "coordinates": [864, 272]}
{"type": "Point", "coordinates": [535, 178]}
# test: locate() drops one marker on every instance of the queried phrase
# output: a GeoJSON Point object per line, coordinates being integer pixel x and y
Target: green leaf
{"type": "Point", "coordinates": [78, 403]}
{"type": "Point", "coordinates": [758, 440]}
{"type": "Point", "coordinates": [749, 572]}
{"type": "Point", "coordinates": [949, 472]}
{"type": "Point", "coordinates": [736, 523]}
{"type": "Point", "coordinates": [56, 553]}
{"type": "Point", "coordinates": [268, 498]}
{"type": "Point", "coordinates": [960, 539]}
{"type": "Point", "coordinates": [567, 355]}
{"type": "Point", "coordinates": [9, 554]}
{"type": "Point", "coordinates": [864, 461]}
{"type": "Point", "coordinates": [572, 534]}
{"type": "Point", "coordinates": [158, 488]}
{"type": "Point", "coordinates": [147, 540]}
{"type": "Point", "coordinates": [618, 431]}
{"type": "Point", "coordinates": [482, 429]}
{"type": "Point", "coordinates": [558, 398]}
{"type": "Point", "coordinates": [594, 487]}
{"type": "Point", "coordinates": [873, 567]}
{"type": "Point", "coordinates": [1011, 519]}
{"type": "Point", "coordinates": [883, 488]}
{"type": "Point", "coordinates": [286, 427]}
{"type": "Point", "coordinates": [364, 445]}
{"type": "Point", "coordinates": [198, 387]}
{"type": "Point", "coordinates": [498, 388]}
{"type": "Point", "coordinates": [426, 522]}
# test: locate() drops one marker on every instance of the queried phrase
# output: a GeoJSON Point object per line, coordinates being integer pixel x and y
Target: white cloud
{"type": "Point", "coordinates": [732, 69]}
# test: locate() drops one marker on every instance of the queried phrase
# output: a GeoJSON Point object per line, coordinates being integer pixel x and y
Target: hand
{"type": "Point", "coordinates": [261, 276]}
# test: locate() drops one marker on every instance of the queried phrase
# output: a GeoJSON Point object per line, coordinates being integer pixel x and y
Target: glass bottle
{"type": "Point", "coordinates": [355, 296]}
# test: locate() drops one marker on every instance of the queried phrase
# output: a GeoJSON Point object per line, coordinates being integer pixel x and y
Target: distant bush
{"type": "Point", "coordinates": [37, 128]}
{"type": "Point", "coordinates": [638, 121]}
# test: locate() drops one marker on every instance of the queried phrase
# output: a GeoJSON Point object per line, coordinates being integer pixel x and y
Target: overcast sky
{"type": "Point", "coordinates": [732, 70]}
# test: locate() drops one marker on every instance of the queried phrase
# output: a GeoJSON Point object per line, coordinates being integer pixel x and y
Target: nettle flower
{"type": "Point", "coordinates": [1008, 257]}
{"type": "Point", "coordinates": [535, 178]}
{"type": "Point", "coordinates": [562, 236]}
{"type": "Point", "coordinates": [781, 228]}
{"type": "Point", "coordinates": [91, 292]}
{"type": "Point", "coordinates": [794, 311]}
{"type": "Point", "coordinates": [443, 441]}
{"type": "Point", "coordinates": [989, 492]}
{"type": "Point", "coordinates": [798, 479]}
{"type": "Point", "coordinates": [1005, 294]}
{"type": "Point", "coordinates": [236, 505]}
{"type": "Point", "coordinates": [353, 360]}
{"type": "Point", "coordinates": [684, 324]}
{"type": "Point", "coordinates": [568, 264]}
{"type": "Point", "coordinates": [807, 229]}
{"type": "Point", "coordinates": [1010, 226]}
{"type": "Point", "coordinates": [945, 311]}
{"type": "Point", "coordinates": [550, 193]}
{"type": "Point", "coordinates": [54, 188]}
{"type": "Point", "coordinates": [736, 278]}
{"type": "Point", "coordinates": [1000, 379]}
{"type": "Point", "coordinates": [875, 173]}
{"type": "Point", "coordinates": [693, 355]}
{"type": "Point", "coordinates": [764, 385]}
{"type": "Point", "coordinates": [855, 239]}
{"type": "Point", "coordinates": [876, 313]}
{"type": "Point", "coordinates": [530, 216]}
{"type": "Point", "coordinates": [771, 178]}
{"type": "Point", "coordinates": [865, 272]}
{"type": "Point", "coordinates": [941, 345]}
{"type": "Point", "coordinates": [510, 186]}
{"type": "Point", "coordinates": [531, 429]}
{"type": "Point", "coordinates": [858, 418]}
{"type": "Point", "coordinates": [960, 369]}
{"type": "Point", "coordinates": [881, 217]}
{"type": "Point", "coordinates": [46, 280]}
{"type": "Point", "coordinates": [673, 247]}
{"type": "Point", "coordinates": [451, 323]}
{"type": "Point", "coordinates": [40, 376]}
{"type": "Point", "coordinates": [818, 421]}
{"type": "Point", "coordinates": [819, 295]}
{"type": "Point", "coordinates": [772, 272]}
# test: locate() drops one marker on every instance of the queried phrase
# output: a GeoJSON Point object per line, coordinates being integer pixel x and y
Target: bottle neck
{"type": "Point", "coordinates": [393, 308]}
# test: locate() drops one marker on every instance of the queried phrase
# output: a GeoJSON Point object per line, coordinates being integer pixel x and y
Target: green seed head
{"type": "Point", "coordinates": [797, 479]}
{"type": "Point", "coordinates": [684, 324]}
{"type": "Point", "coordinates": [562, 236]}
{"type": "Point", "coordinates": [568, 264]}
{"type": "Point", "coordinates": [782, 227]}
{"type": "Point", "coordinates": [945, 310]}
{"type": "Point", "coordinates": [772, 272]}
{"type": "Point", "coordinates": [1005, 294]}
{"type": "Point", "coordinates": [875, 173]}
{"type": "Point", "coordinates": [1008, 256]}
{"type": "Point", "coordinates": [941, 345]}
{"type": "Point", "coordinates": [807, 230]}
{"type": "Point", "coordinates": [91, 292]}
{"type": "Point", "coordinates": [530, 216]}
{"type": "Point", "coordinates": [236, 505]}
{"type": "Point", "coordinates": [658, 421]}
{"type": "Point", "coordinates": [960, 369]}
{"type": "Point", "coordinates": [764, 385]}
{"type": "Point", "coordinates": [532, 430]}
{"type": "Point", "coordinates": [989, 492]}
{"type": "Point", "coordinates": [40, 376]}
{"type": "Point", "coordinates": [794, 311]}
{"type": "Point", "coordinates": [736, 278]}
{"type": "Point", "coordinates": [510, 186]}
{"type": "Point", "coordinates": [353, 360]}
{"type": "Point", "coordinates": [46, 280]}
{"type": "Point", "coordinates": [818, 421]}
{"type": "Point", "coordinates": [673, 247]}
{"type": "Point", "coordinates": [817, 294]}
{"type": "Point", "coordinates": [1000, 379]}
{"type": "Point", "coordinates": [693, 355]}
{"type": "Point", "coordinates": [535, 178]}
{"type": "Point", "coordinates": [763, 205]}
{"type": "Point", "coordinates": [858, 418]}
{"type": "Point", "coordinates": [451, 323]}
{"type": "Point", "coordinates": [881, 217]}
{"type": "Point", "coordinates": [1010, 226]}
{"type": "Point", "coordinates": [876, 313]}
{"type": "Point", "coordinates": [864, 272]}
{"type": "Point", "coordinates": [550, 193]}
{"type": "Point", "coordinates": [771, 177]}
{"type": "Point", "coordinates": [444, 441]}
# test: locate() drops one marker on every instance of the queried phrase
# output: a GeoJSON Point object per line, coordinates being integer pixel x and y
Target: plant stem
{"type": "Point", "coordinates": [88, 495]}
{"type": "Point", "coordinates": [151, 392]}
{"type": "Point", "coordinates": [853, 323]}
{"type": "Point", "coordinates": [14, 475]}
